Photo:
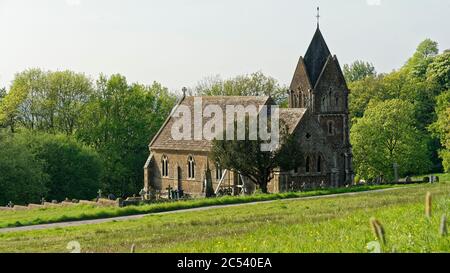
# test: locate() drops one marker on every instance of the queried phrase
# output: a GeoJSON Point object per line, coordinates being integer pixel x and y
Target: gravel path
{"type": "Point", "coordinates": [132, 217]}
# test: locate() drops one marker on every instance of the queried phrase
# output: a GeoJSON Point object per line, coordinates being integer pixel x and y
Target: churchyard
{"type": "Point", "coordinates": [332, 224]}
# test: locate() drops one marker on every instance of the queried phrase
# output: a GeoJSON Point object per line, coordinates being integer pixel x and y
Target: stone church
{"type": "Point", "coordinates": [317, 115]}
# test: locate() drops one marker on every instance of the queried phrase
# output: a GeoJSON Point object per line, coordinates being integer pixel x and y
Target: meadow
{"type": "Point", "coordinates": [87, 212]}
{"type": "Point", "coordinates": [331, 224]}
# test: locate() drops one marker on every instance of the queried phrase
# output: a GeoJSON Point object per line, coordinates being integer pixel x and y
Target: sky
{"type": "Point", "coordinates": [180, 42]}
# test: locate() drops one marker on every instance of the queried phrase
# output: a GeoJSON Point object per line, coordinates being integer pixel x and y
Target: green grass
{"type": "Point", "coordinates": [85, 212]}
{"type": "Point", "coordinates": [442, 176]}
{"type": "Point", "coordinates": [333, 224]}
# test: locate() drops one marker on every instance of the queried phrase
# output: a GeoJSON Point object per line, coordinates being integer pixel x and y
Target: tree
{"type": "Point", "coordinates": [255, 84]}
{"type": "Point", "coordinates": [439, 71]}
{"type": "Point", "coordinates": [364, 91]}
{"type": "Point", "coordinates": [46, 101]}
{"type": "Point", "coordinates": [2, 96]}
{"type": "Point", "coordinates": [74, 170]}
{"type": "Point", "coordinates": [119, 122]}
{"type": "Point", "coordinates": [386, 135]}
{"type": "Point", "coordinates": [358, 70]}
{"type": "Point", "coordinates": [22, 178]}
{"type": "Point", "coordinates": [2, 93]}
{"type": "Point", "coordinates": [68, 94]}
{"type": "Point", "coordinates": [422, 78]}
{"type": "Point", "coordinates": [18, 106]}
{"type": "Point", "coordinates": [245, 156]}
{"type": "Point", "coordinates": [417, 65]}
{"type": "Point", "coordinates": [441, 128]}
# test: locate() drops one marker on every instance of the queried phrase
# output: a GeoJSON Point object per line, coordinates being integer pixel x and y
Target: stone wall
{"type": "Point", "coordinates": [178, 172]}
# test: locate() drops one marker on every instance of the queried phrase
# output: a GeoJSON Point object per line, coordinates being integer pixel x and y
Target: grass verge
{"type": "Point", "coordinates": [87, 212]}
{"type": "Point", "coordinates": [335, 224]}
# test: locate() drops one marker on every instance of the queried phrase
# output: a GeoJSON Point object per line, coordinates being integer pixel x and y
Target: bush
{"type": "Point", "coordinates": [74, 170]}
{"type": "Point", "coordinates": [22, 176]}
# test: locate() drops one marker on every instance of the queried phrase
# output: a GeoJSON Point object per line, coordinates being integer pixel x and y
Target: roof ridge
{"type": "Point", "coordinates": [301, 66]}
{"type": "Point", "coordinates": [167, 120]}
{"type": "Point", "coordinates": [322, 71]}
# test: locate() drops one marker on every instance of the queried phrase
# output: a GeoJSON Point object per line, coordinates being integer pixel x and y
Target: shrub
{"type": "Point", "coordinates": [74, 170]}
{"type": "Point", "coordinates": [22, 176]}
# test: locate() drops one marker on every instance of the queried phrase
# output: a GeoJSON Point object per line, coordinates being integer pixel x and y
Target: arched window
{"type": "Point", "coordinates": [330, 128]}
{"type": "Point", "coordinates": [164, 166]}
{"type": "Point", "coordinates": [219, 172]}
{"type": "Point", "coordinates": [191, 167]}
{"type": "Point", "coordinates": [337, 100]}
{"type": "Point", "coordinates": [308, 162]}
{"type": "Point", "coordinates": [330, 98]}
{"type": "Point", "coordinates": [319, 164]}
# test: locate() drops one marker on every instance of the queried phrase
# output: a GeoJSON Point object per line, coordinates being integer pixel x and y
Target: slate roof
{"type": "Point", "coordinates": [291, 117]}
{"type": "Point", "coordinates": [316, 56]}
{"type": "Point", "coordinates": [164, 141]}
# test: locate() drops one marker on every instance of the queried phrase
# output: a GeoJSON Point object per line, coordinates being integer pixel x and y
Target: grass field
{"type": "Point", "coordinates": [85, 212]}
{"type": "Point", "coordinates": [332, 224]}
{"type": "Point", "coordinates": [442, 176]}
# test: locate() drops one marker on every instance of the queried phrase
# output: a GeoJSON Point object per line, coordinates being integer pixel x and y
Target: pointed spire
{"type": "Point", "coordinates": [316, 56]}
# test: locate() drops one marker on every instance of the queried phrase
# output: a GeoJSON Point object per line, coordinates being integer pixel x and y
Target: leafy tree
{"type": "Point", "coordinates": [67, 95]}
{"type": "Point", "coordinates": [73, 169]}
{"type": "Point", "coordinates": [417, 65]}
{"type": "Point", "coordinates": [2, 93]}
{"type": "Point", "coordinates": [417, 91]}
{"type": "Point", "coordinates": [22, 178]}
{"type": "Point", "coordinates": [119, 122]}
{"type": "Point", "coordinates": [386, 135]}
{"type": "Point", "coordinates": [439, 71]}
{"type": "Point", "coordinates": [362, 92]}
{"type": "Point", "coordinates": [419, 82]}
{"type": "Point", "coordinates": [256, 84]}
{"type": "Point", "coordinates": [245, 156]}
{"type": "Point", "coordinates": [18, 106]}
{"type": "Point", "coordinates": [2, 96]}
{"type": "Point", "coordinates": [46, 101]}
{"type": "Point", "coordinates": [358, 70]}
{"type": "Point", "coordinates": [441, 128]}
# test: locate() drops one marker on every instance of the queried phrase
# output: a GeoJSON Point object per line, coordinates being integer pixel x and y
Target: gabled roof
{"type": "Point", "coordinates": [300, 78]}
{"type": "Point", "coordinates": [316, 56]}
{"type": "Point", "coordinates": [331, 73]}
{"type": "Point", "coordinates": [164, 140]}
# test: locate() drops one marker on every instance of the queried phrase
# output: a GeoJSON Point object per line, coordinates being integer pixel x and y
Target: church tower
{"type": "Point", "coordinates": [319, 85]}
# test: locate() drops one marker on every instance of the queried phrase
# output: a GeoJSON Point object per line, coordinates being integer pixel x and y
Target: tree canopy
{"type": "Point", "coordinates": [22, 178]}
{"type": "Point", "coordinates": [386, 135]}
{"type": "Point", "coordinates": [255, 84]}
{"type": "Point", "coordinates": [108, 125]}
{"type": "Point", "coordinates": [119, 122]}
{"type": "Point", "coordinates": [359, 70]}
{"type": "Point", "coordinates": [246, 157]}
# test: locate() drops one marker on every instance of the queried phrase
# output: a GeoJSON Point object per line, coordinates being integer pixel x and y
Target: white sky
{"type": "Point", "coordinates": [179, 42]}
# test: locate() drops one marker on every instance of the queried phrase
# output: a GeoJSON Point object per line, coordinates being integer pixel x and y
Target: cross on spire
{"type": "Point", "coordinates": [318, 16]}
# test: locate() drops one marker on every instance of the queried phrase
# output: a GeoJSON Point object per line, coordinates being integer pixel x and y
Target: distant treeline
{"type": "Point", "coordinates": [65, 136]}
{"type": "Point", "coordinates": [401, 118]}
